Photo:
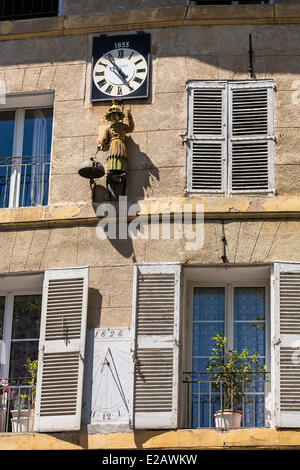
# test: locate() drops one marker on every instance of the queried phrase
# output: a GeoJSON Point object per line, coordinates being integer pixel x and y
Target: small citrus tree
{"type": "Point", "coordinates": [232, 371]}
{"type": "Point", "coordinates": [31, 367]}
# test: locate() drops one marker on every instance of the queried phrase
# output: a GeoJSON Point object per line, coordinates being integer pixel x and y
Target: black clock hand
{"type": "Point", "coordinates": [120, 71]}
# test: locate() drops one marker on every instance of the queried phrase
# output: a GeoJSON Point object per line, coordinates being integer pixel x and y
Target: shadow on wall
{"type": "Point", "coordinates": [218, 46]}
{"type": "Point", "coordinates": [141, 172]}
{"type": "Point", "coordinates": [94, 307]}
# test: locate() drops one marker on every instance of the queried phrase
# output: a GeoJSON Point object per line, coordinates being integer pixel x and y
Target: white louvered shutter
{"type": "Point", "coordinates": [207, 130]}
{"type": "Point", "coordinates": [286, 345]}
{"type": "Point", "coordinates": [156, 346]}
{"type": "Point", "coordinates": [251, 137]}
{"type": "Point", "coordinates": [61, 350]}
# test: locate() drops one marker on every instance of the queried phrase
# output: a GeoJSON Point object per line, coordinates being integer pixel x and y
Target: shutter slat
{"type": "Point", "coordinates": [250, 166]}
{"type": "Point", "coordinates": [207, 131]}
{"type": "Point", "coordinates": [286, 349]}
{"type": "Point", "coordinates": [207, 112]}
{"type": "Point", "coordinates": [207, 166]}
{"type": "Point", "coordinates": [251, 117]}
{"type": "Point", "coordinates": [249, 112]}
{"type": "Point", "coordinates": [156, 322]}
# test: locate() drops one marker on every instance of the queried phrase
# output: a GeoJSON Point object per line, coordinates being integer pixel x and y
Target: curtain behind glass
{"type": "Point", "coordinates": [36, 157]}
{"type": "Point", "coordinates": [39, 149]}
{"type": "Point", "coordinates": [7, 124]}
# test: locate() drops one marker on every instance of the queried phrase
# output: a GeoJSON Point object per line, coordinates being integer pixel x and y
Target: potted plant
{"type": "Point", "coordinates": [231, 372]}
{"type": "Point", "coordinates": [23, 414]}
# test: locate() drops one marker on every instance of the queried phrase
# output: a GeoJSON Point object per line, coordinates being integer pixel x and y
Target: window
{"type": "Point", "coordinates": [26, 137]}
{"type": "Point", "coordinates": [43, 317]}
{"type": "Point", "coordinates": [176, 312]}
{"type": "Point", "coordinates": [20, 321]}
{"type": "Point", "coordinates": [240, 312]}
{"type": "Point", "coordinates": [24, 9]}
{"type": "Point", "coordinates": [230, 137]}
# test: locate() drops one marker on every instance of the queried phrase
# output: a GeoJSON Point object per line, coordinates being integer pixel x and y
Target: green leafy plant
{"type": "Point", "coordinates": [21, 402]}
{"type": "Point", "coordinates": [232, 371]}
{"type": "Point", "coordinates": [31, 367]}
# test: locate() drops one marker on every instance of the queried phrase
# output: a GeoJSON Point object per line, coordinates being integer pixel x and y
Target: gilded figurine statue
{"type": "Point", "coordinates": [114, 136]}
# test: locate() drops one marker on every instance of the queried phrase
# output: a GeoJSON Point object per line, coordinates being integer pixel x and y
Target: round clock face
{"type": "Point", "coordinates": [120, 72]}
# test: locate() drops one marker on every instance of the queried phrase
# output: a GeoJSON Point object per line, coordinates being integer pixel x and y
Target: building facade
{"type": "Point", "coordinates": [118, 296]}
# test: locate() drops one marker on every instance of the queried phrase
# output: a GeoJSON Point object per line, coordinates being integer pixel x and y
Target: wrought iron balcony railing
{"type": "Point", "coordinates": [204, 397]}
{"type": "Point", "coordinates": [16, 405]}
{"type": "Point", "coordinates": [24, 181]}
{"type": "Point", "coordinates": [24, 9]}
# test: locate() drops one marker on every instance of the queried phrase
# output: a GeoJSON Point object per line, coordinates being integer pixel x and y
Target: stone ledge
{"type": "Point", "coordinates": [251, 438]}
{"type": "Point", "coordinates": [149, 18]}
{"type": "Point", "coordinates": [217, 207]}
{"type": "Point", "coordinates": [231, 12]}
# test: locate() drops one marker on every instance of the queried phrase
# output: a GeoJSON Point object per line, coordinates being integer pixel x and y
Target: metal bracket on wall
{"type": "Point", "coordinates": [250, 69]}
{"type": "Point", "coordinates": [224, 256]}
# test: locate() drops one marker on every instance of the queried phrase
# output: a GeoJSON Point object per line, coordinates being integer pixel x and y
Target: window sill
{"type": "Point", "coordinates": [150, 18]}
{"type": "Point", "coordinates": [260, 438]}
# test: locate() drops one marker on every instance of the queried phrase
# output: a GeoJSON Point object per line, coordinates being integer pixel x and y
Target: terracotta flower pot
{"type": "Point", "coordinates": [228, 419]}
{"type": "Point", "coordinates": [22, 420]}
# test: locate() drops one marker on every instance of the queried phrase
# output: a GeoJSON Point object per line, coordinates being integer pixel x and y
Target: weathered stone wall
{"type": "Point", "coordinates": [157, 157]}
{"type": "Point", "coordinates": [111, 262]}
{"type": "Point", "coordinates": [79, 7]}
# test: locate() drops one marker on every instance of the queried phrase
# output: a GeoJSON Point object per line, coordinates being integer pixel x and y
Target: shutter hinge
{"type": "Point", "coordinates": [177, 342]}
{"type": "Point", "coordinates": [131, 426]}
{"type": "Point", "coordinates": [276, 342]}
{"type": "Point", "coordinates": [184, 138]}
{"type": "Point", "coordinates": [43, 351]}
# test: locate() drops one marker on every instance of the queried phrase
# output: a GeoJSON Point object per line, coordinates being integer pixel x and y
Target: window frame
{"type": "Point", "coordinates": [226, 138]}
{"type": "Point", "coordinates": [20, 103]}
{"type": "Point", "coordinates": [34, 15]}
{"type": "Point", "coordinates": [8, 322]}
{"type": "Point", "coordinates": [187, 349]}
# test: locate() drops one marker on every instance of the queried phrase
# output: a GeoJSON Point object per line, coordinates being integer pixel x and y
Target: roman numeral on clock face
{"type": "Point", "coordinates": [109, 89]}
{"type": "Point", "coordinates": [137, 79]}
{"type": "Point", "coordinates": [99, 74]}
{"type": "Point", "coordinates": [102, 83]}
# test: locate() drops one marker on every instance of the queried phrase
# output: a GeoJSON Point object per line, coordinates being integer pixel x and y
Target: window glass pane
{"type": "Point", "coordinates": [249, 319]}
{"type": "Point", "coordinates": [20, 351]}
{"type": "Point", "coordinates": [7, 124]}
{"type": "Point", "coordinates": [36, 157]}
{"type": "Point", "coordinates": [208, 320]}
{"type": "Point", "coordinates": [26, 317]}
{"type": "Point", "coordinates": [37, 132]}
{"type": "Point", "coordinates": [2, 307]}
{"type": "Point", "coordinates": [249, 333]}
{"type": "Point", "coordinates": [249, 303]}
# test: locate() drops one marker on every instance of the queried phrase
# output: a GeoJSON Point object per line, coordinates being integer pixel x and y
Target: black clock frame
{"type": "Point", "coordinates": [141, 42]}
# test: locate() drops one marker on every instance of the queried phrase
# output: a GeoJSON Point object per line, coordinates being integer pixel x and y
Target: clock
{"type": "Point", "coordinates": [109, 359]}
{"type": "Point", "coordinates": [121, 67]}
